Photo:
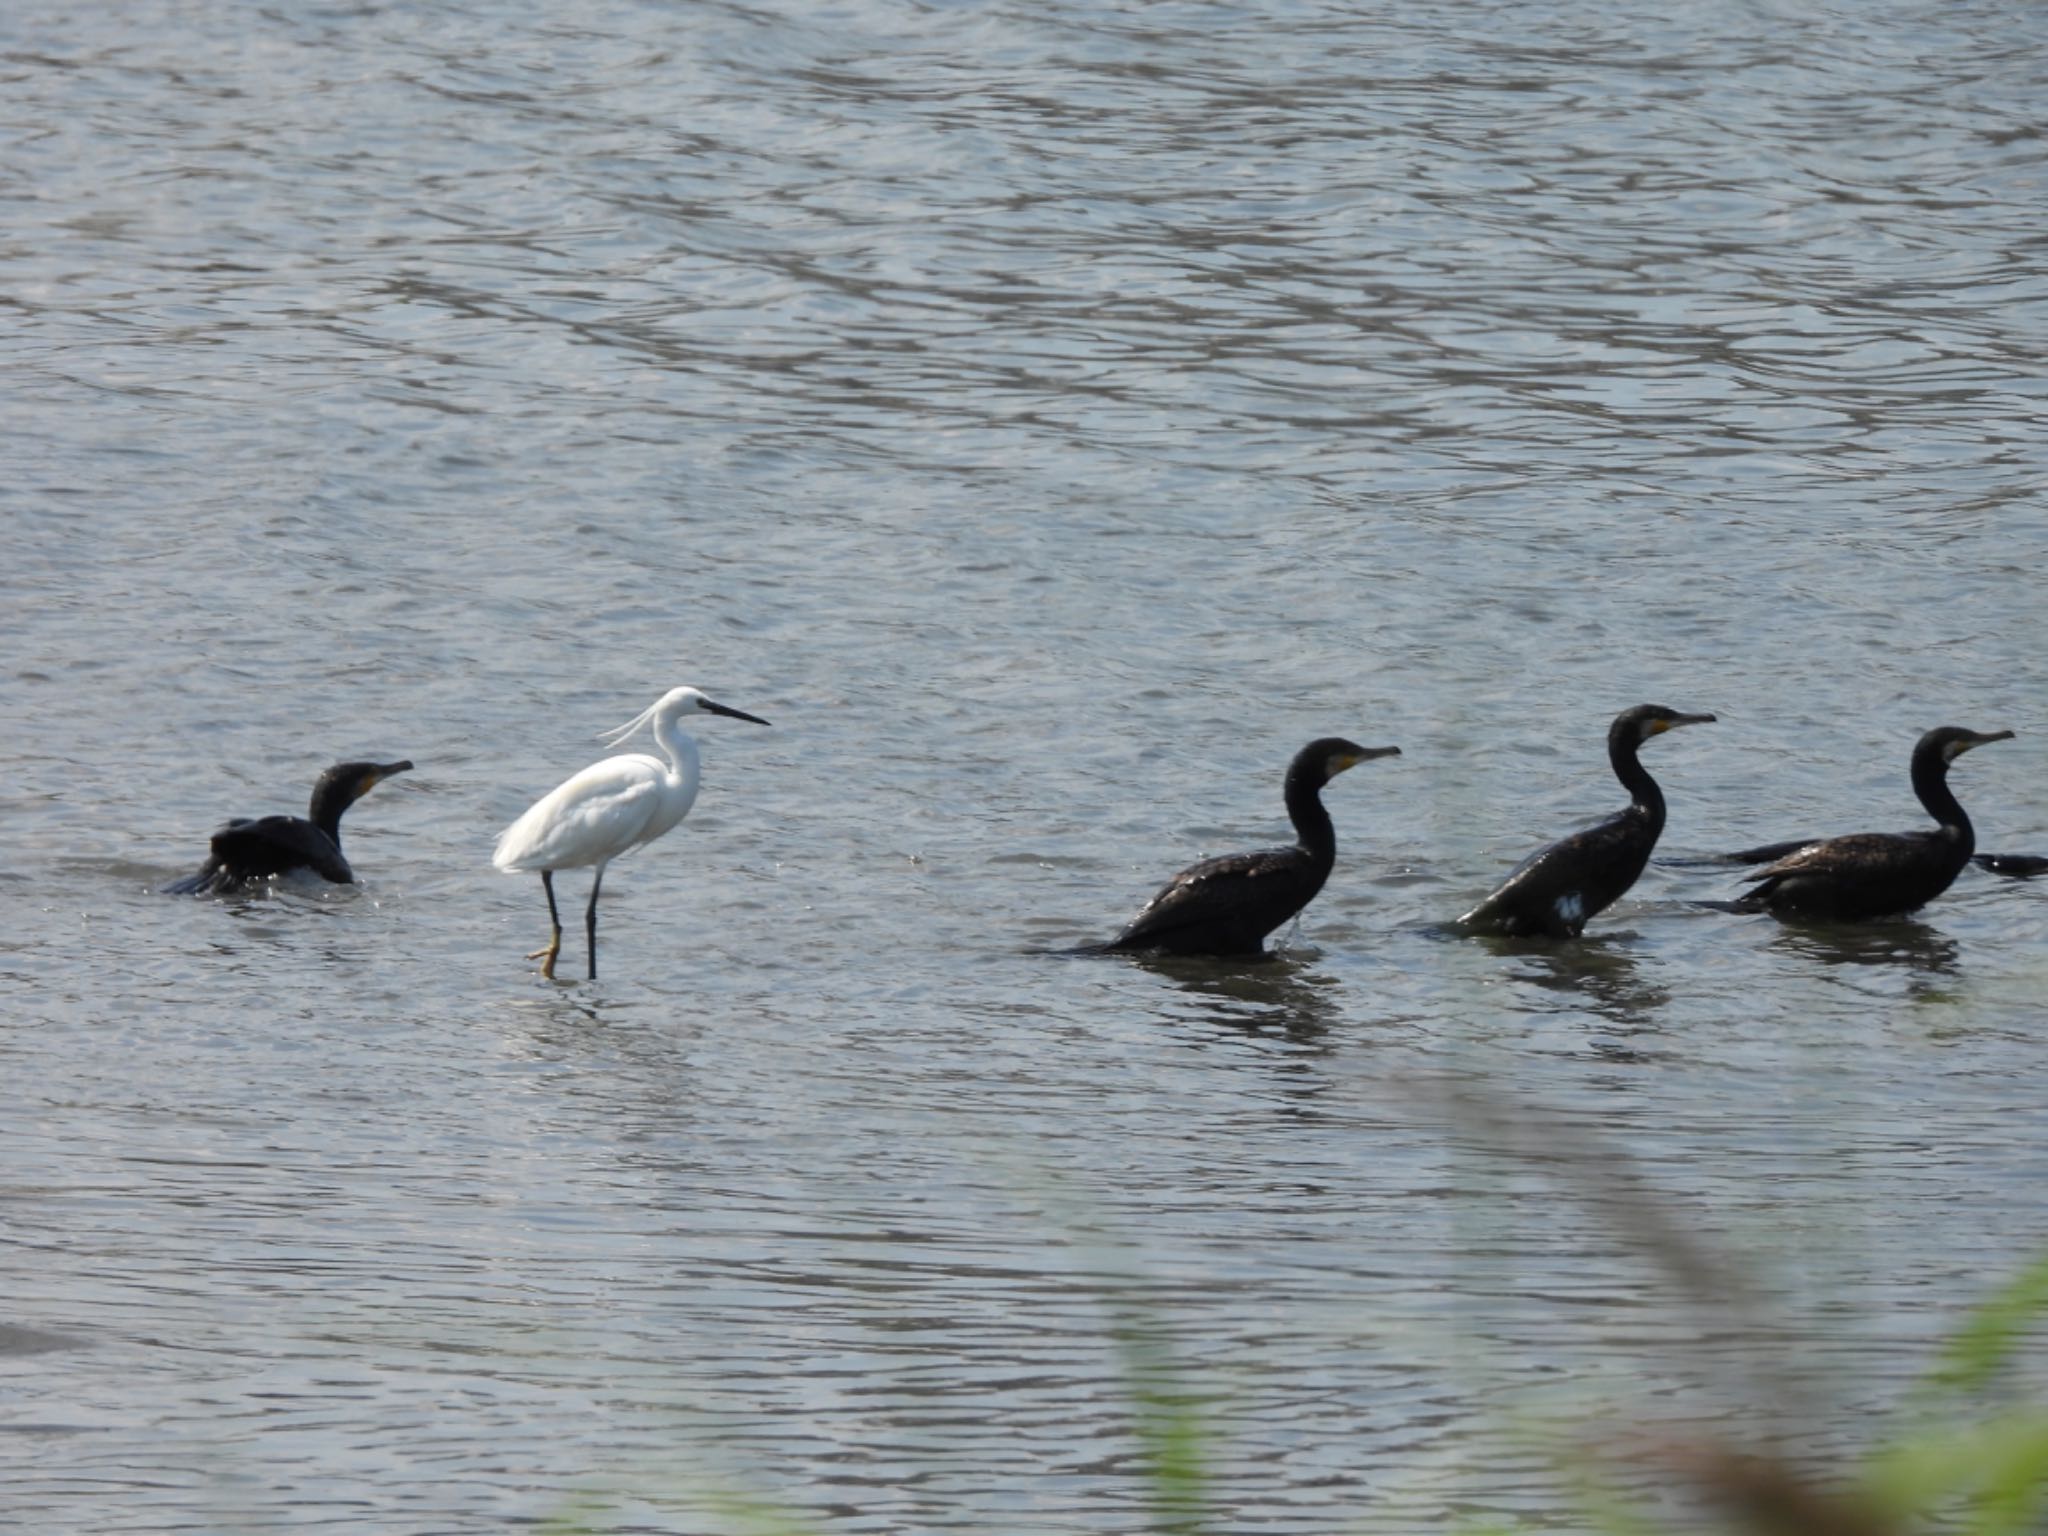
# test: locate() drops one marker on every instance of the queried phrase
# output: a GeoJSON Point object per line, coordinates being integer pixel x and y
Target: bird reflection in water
{"type": "Point", "coordinates": [1925, 953]}
{"type": "Point", "coordinates": [608, 1056]}
{"type": "Point", "coordinates": [559, 1019]}
{"type": "Point", "coordinates": [1600, 972]}
{"type": "Point", "coordinates": [1283, 993]}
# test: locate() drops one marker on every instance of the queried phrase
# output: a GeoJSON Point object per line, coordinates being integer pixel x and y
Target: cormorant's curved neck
{"type": "Point", "coordinates": [1930, 783]}
{"type": "Point", "coordinates": [1635, 778]}
{"type": "Point", "coordinates": [1311, 822]}
{"type": "Point", "coordinates": [330, 798]}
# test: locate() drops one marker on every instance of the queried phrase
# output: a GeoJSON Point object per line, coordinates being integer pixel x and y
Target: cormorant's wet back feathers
{"type": "Point", "coordinates": [1554, 891]}
{"type": "Point", "coordinates": [248, 850]}
{"type": "Point", "coordinates": [1767, 853]}
{"type": "Point", "coordinates": [2014, 866]}
{"type": "Point", "coordinates": [1227, 905]}
{"type": "Point", "coordinates": [1879, 874]}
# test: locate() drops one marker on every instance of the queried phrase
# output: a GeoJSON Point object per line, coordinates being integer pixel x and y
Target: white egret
{"type": "Point", "coordinates": [609, 809]}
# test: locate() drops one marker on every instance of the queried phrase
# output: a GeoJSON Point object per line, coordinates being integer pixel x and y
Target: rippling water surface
{"type": "Point", "coordinates": [1049, 417]}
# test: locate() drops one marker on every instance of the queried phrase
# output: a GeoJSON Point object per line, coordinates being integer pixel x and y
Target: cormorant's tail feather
{"type": "Point", "coordinates": [208, 880]}
{"type": "Point", "coordinates": [2020, 866]}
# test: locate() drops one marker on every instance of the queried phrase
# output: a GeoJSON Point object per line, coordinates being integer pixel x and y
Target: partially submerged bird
{"type": "Point", "coordinates": [247, 850]}
{"type": "Point", "coordinates": [1227, 905]}
{"type": "Point", "coordinates": [1555, 890]}
{"type": "Point", "coordinates": [1879, 874]}
{"type": "Point", "coordinates": [609, 809]}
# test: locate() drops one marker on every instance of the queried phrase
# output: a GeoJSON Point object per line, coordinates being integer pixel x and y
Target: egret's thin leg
{"type": "Point", "coordinates": [590, 920]}
{"type": "Point", "coordinates": [547, 969]}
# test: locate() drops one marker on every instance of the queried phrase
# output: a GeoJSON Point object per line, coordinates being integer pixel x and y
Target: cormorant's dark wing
{"type": "Point", "coordinates": [276, 845]}
{"type": "Point", "coordinates": [1865, 874]}
{"type": "Point", "coordinates": [1770, 853]}
{"type": "Point", "coordinates": [1556, 889]}
{"type": "Point", "coordinates": [1857, 856]}
{"type": "Point", "coordinates": [1763, 853]}
{"type": "Point", "coordinates": [1225, 905]}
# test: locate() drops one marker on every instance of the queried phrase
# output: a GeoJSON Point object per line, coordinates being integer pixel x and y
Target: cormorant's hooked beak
{"type": "Point", "coordinates": [380, 772]}
{"type": "Point", "coordinates": [722, 709]}
{"type": "Point", "coordinates": [1963, 744]}
{"type": "Point", "coordinates": [1363, 755]}
{"type": "Point", "coordinates": [1677, 720]}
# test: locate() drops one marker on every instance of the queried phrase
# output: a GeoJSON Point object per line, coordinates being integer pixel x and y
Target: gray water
{"type": "Point", "coordinates": [1049, 417]}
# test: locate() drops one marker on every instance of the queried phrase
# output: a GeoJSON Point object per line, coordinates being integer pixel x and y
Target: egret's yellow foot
{"type": "Point", "coordinates": [554, 949]}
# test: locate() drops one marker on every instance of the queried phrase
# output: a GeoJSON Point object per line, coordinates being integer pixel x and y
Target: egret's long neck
{"type": "Point", "coordinates": [681, 749]}
{"type": "Point", "coordinates": [1635, 778]}
{"type": "Point", "coordinates": [1930, 783]}
{"type": "Point", "coordinates": [1311, 822]}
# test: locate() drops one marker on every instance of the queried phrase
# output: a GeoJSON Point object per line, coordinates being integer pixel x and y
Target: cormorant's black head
{"type": "Point", "coordinates": [1945, 743]}
{"type": "Point", "coordinates": [1327, 756]}
{"type": "Point", "coordinates": [1638, 725]}
{"type": "Point", "coordinates": [345, 783]}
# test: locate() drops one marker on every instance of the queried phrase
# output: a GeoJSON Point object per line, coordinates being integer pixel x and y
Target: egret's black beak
{"type": "Point", "coordinates": [722, 709]}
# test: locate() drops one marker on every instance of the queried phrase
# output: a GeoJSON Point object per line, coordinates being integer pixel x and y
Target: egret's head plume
{"type": "Point", "coordinates": [677, 701]}
{"type": "Point", "coordinates": [619, 733]}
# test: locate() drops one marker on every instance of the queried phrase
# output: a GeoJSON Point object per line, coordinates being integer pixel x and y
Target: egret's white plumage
{"type": "Point", "coordinates": [610, 808]}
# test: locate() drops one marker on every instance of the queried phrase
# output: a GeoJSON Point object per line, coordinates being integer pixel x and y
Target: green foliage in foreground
{"type": "Point", "coordinates": [1172, 1437]}
{"type": "Point", "coordinates": [1964, 1466]}
{"type": "Point", "coordinates": [1985, 1470]}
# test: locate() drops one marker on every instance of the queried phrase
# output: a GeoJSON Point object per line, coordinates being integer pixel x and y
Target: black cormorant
{"type": "Point", "coordinates": [1227, 905]}
{"type": "Point", "coordinates": [248, 850]}
{"type": "Point", "coordinates": [1555, 890]}
{"type": "Point", "coordinates": [1879, 874]}
{"type": "Point", "coordinates": [2020, 866]}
